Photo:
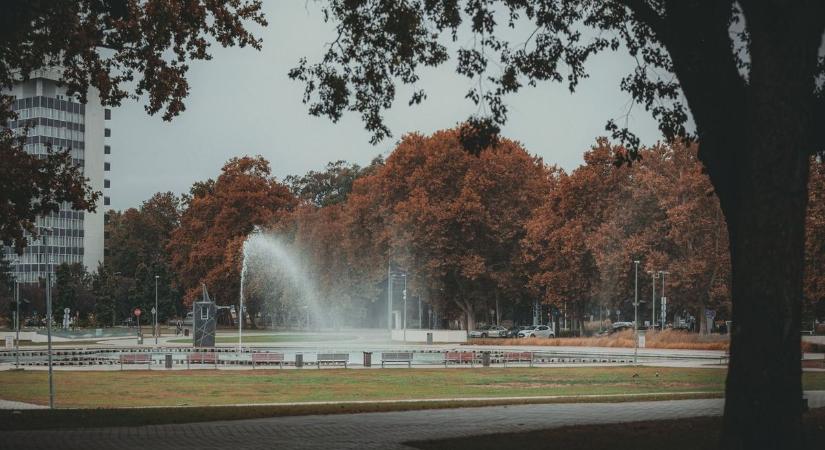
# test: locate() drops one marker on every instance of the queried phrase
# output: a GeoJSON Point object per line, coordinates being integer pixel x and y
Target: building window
{"type": "Point", "coordinates": [107, 132]}
{"type": "Point", "coordinates": [107, 150]}
{"type": "Point", "coordinates": [106, 201]}
{"type": "Point", "coordinates": [107, 184]}
{"type": "Point", "coordinates": [107, 166]}
{"type": "Point", "coordinates": [107, 114]}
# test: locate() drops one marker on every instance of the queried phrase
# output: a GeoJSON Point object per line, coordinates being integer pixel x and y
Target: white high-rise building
{"type": "Point", "coordinates": [61, 120]}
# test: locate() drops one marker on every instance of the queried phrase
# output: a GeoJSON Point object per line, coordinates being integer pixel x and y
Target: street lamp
{"type": "Point", "coordinates": [16, 295]}
{"type": "Point", "coordinates": [655, 275]}
{"type": "Point", "coordinates": [664, 317]}
{"type": "Point", "coordinates": [47, 231]}
{"type": "Point", "coordinates": [114, 302]}
{"type": "Point", "coordinates": [636, 315]}
{"type": "Point", "coordinates": [156, 310]}
{"type": "Point", "coordinates": [389, 297]}
{"type": "Point", "coordinates": [405, 306]}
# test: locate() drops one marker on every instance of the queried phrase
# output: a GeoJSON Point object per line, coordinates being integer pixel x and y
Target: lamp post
{"type": "Point", "coordinates": [47, 232]}
{"type": "Point", "coordinates": [663, 273]}
{"type": "Point", "coordinates": [389, 297]}
{"type": "Point", "coordinates": [114, 303]}
{"type": "Point", "coordinates": [156, 310]}
{"type": "Point", "coordinates": [405, 306]}
{"type": "Point", "coordinates": [16, 295]}
{"type": "Point", "coordinates": [636, 314]}
{"type": "Point", "coordinates": [655, 275]}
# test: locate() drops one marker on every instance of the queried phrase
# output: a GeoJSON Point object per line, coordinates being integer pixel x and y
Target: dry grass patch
{"type": "Point", "coordinates": [668, 339]}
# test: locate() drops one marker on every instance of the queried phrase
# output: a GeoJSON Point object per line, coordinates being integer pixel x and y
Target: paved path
{"type": "Point", "coordinates": [362, 431]}
{"type": "Point", "coordinates": [9, 404]}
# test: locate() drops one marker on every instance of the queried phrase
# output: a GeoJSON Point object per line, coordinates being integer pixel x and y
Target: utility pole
{"type": "Point", "coordinates": [636, 315]}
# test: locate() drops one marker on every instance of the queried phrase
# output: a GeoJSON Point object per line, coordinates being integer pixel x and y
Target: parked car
{"type": "Point", "coordinates": [537, 331]}
{"type": "Point", "coordinates": [619, 326]}
{"type": "Point", "coordinates": [513, 332]}
{"type": "Point", "coordinates": [489, 331]}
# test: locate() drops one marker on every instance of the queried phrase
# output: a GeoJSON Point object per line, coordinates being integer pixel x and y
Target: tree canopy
{"type": "Point", "coordinates": [123, 49]}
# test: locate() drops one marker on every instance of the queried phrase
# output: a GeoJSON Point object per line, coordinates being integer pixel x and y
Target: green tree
{"type": "Point", "coordinates": [750, 74]}
{"type": "Point", "coordinates": [330, 187]}
{"type": "Point", "coordinates": [73, 290]}
{"type": "Point", "coordinates": [140, 236]}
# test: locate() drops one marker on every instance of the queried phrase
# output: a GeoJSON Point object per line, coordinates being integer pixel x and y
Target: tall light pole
{"type": "Point", "coordinates": [114, 302]}
{"type": "Point", "coordinates": [16, 295]}
{"type": "Point", "coordinates": [405, 306]}
{"type": "Point", "coordinates": [156, 310]}
{"type": "Point", "coordinates": [419, 312]}
{"type": "Point", "coordinates": [655, 275]}
{"type": "Point", "coordinates": [636, 315]}
{"type": "Point", "coordinates": [389, 297]}
{"type": "Point", "coordinates": [663, 273]}
{"type": "Point", "coordinates": [49, 313]}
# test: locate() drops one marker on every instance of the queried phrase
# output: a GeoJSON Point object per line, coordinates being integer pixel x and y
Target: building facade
{"type": "Point", "coordinates": [57, 119]}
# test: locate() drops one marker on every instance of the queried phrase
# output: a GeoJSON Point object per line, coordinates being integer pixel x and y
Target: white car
{"type": "Point", "coordinates": [489, 331]}
{"type": "Point", "coordinates": [537, 331]}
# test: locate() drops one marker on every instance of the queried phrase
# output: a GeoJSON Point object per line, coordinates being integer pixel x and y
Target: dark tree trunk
{"type": "Point", "coordinates": [755, 139]}
{"type": "Point", "coordinates": [763, 390]}
{"type": "Point", "coordinates": [765, 201]}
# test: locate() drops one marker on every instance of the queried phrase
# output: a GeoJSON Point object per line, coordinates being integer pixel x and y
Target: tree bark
{"type": "Point", "coordinates": [764, 389]}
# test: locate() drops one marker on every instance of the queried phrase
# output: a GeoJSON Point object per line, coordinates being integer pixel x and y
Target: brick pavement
{"type": "Point", "coordinates": [363, 431]}
{"type": "Point", "coordinates": [355, 431]}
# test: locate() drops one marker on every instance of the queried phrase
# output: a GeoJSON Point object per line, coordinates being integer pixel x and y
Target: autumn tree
{"type": "Point", "coordinates": [124, 49]}
{"type": "Point", "coordinates": [451, 219]}
{"type": "Point", "coordinates": [750, 74]}
{"type": "Point", "coordinates": [218, 215]}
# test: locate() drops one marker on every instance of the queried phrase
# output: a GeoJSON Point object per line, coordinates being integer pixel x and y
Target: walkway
{"type": "Point", "coordinates": [363, 431]}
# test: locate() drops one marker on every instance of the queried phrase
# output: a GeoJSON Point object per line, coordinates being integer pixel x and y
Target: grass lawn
{"type": "Point", "coordinates": [270, 338]}
{"type": "Point", "coordinates": [108, 389]}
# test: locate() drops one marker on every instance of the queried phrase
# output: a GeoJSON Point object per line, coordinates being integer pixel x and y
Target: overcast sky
{"type": "Point", "coordinates": [243, 103]}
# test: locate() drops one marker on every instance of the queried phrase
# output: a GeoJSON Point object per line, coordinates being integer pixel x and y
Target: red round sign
{"type": "Point", "coordinates": [137, 312]}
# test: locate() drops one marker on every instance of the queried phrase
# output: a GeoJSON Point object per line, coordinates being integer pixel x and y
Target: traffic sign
{"type": "Point", "coordinates": [137, 312]}
{"type": "Point", "coordinates": [154, 310]}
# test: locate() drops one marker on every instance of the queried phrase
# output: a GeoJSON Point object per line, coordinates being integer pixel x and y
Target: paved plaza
{"type": "Point", "coordinates": [364, 431]}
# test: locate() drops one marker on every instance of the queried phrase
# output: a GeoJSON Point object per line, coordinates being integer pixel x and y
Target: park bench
{"type": "Point", "coordinates": [202, 358]}
{"type": "Point", "coordinates": [333, 359]}
{"type": "Point", "coordinates": [136, 358]}
{"type": "Point", "coordinates": [518, 357]}
{"type": "Point", "coordinates": [459, 358]}
{"type": "Point", "coordinates": [397, 358]}
{"type": "Point", "coordinates": [268, 358]}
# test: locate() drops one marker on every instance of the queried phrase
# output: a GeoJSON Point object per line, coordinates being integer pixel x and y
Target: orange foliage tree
{"type": "Point", "coordinates": [453, 220]}
{"type": "Point", "coordinates": [218, 216]}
